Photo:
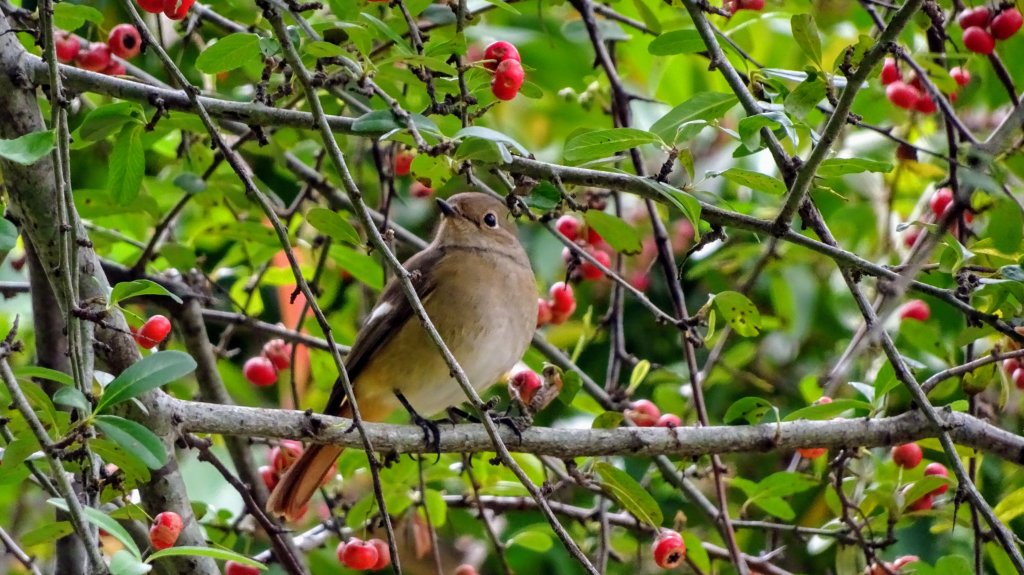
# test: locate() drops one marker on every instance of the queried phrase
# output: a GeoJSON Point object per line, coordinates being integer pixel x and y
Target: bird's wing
{"type": "Point", "coordinates": [387, 318]}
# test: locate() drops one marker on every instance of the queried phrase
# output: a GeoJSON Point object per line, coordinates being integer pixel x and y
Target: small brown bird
{"type": "Point", "coordinates": [478, 288]}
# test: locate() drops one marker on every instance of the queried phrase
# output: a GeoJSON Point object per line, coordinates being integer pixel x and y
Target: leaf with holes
{"type": "Point", "coordinates": [740, 312]}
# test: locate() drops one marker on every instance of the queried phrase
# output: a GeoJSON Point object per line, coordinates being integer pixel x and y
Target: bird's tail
{"type": "Point", "coordinates": [301, 481]}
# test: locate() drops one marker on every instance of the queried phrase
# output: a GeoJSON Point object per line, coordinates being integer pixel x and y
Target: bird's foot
{"type": "Point", "coordinates": [431, 430]}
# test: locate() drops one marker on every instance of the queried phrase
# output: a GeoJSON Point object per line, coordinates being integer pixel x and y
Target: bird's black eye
{"type": "Point", "coordinates": [491, 220]}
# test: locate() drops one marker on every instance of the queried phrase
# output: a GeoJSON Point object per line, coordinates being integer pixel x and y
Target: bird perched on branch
{"type": "Point", "coordinates": [477, 286]}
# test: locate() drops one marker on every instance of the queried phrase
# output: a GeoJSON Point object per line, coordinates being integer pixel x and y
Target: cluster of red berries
{"type": "Point", "coordinates": [815, 452]}
{"type": "Point", "coordinates": [502, 58]}
{"type": "Point", "coordinates": [282, 457]}
{"type": "Point", "coordinates": [911, 94]}
{"type": "Point", "coordinates": [559, 308]}
{"type": "Point", "coordinates": [173, 9]}
{"type": "Point", "coordinates": [591, 242]}
{"type": "Point", "coordinates": [940, 203]}
{"type": "Point", "coordinates": [165, 530]}
{"type": "Point", "coordinates": [643, 413]}
{"type": "Point", "coordinates": [734, 6]}
{"type": "Point", "coordinates": [909, 456]}
{"type": "Point", "coordinates": [1015, 371]}
{"type": "Point", "coordinates": [915, 309]}
{"type": "Point", "coordinates": [982, 28]}
{"type": "Point", "coordinates": [669, 549]}
{"type": "Point", "coordinates": [362, 555]}
{"type": "Point", "coordinates": [262, 369]}
{"type": "Point", "coordinates": [403, 166]}
{"type": "Point", "coordinates": [152, 332]}
{"type": "Point", "coordinates": [123, 41]}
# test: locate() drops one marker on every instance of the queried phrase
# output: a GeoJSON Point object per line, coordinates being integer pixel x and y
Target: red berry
{"type": "Point", "coordinates": [260, 371]}
{"type": "Point", "coordinates": [907, 456]}
{"type": "Point", "coordinates": [67, 46]}
{"type": "Point", "coordinates": [960, 75]}
{"type": "Point", "coordinates": [568, 226]}
{"type": "Point", "coordinates": [177, 9]}
{"type": "Point", "coordinates": [165, 530]}
{"type": "Point", "coordinates": [902, 95]}
{"type": "Point", "coordinates": [508, 78]}
{"type": "Point", "coordinates": [270, 477]}
{"type": "Point", "coordinates": [755, 5]}
{"type": "Point", "coordinates": [115, 68]}
{"type": "Point", "coordinates": [910, 238]}
{"type": "Point", "coordinates": [890, 73]}
{"type": "Point", "coordinates": [978, 40]}
{"type": "Point", "coordinates": [94, 58]}
{"type": "Point", "coordinates": [232, 568]}
{"type": "Point", "coordinates": [643, 413]}
{"type": "Point", "coordinates": [594, 238]}
{"type": "Point", "coordinates": [591, 272]}
{"type": "Point", "coordinates": [640, 280]}
{"type": "Point", "coordinates": [940, 200]}
{"type": "Point", "coordinates": [812, 452]}
{"type": "Point", "coordinates": [563, 302]}
{"type": "Point", "coordinates": [524, 384]}
{"type": "Point", "coordinates": [915, 309]}
{"type": "Point", "coordinates": [1018, 377]}
{"type": "Point", "coordinates": [279, 352]}
{"type": "Point", "coordinates": [284, 455]}
{"type": "Point", "coordinates": [465, 569]}
{"type": "Point", "coordinates": [925, 104]}
{"type": "Point", "coordinates": [922, 504]}
{"type": "Point", "coordinates": [420, 190]}
{"type": "Point", "coordinates": [1010, 365]}
{"type": "Point", "coordinates": [1006, 23]}
{"type": "Point", "coordinates": [669, 550]}
{"type": "Point", "coordinates": [978, 17]}
{"type": "Point", "coordinates": [383, 554]}
{"type": "Point", "coordinates": [124, 41]}
{"type": "Point", "coordinates": [544, 313]}
{"type": "Point", "coordinates": [358, 554]}
{"type": "Point", "coordinates": [940, 470]}
{"type": "Point", "coordinates": [152, 6]}
{"type": "Point", "coordinates": [403, 163]}
{"type": "Point", "coordinates": [668, 420]}
{"type": "Point", "coordinates": [153, 332]}
{"type": "Point", "coordinates": [498, 52]}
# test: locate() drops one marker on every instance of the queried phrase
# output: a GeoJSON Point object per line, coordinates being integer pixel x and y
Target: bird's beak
{"type": "Point", "coordinates": [446, 209]}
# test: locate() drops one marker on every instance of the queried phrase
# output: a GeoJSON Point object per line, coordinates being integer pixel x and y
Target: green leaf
{"type": "Point", "coordinates": [47, 533]}
{"type": "Point", "coordinates": [531, 538]}
{"type": "Point", "coordinates": [230, 52]}
{"type": "Point", "coordinates": [707, 106]}
{"type": "Point", "coordinates": [842, 166]}
{"type": "Point", "coordinates": [805, 32]}
{"type": "Point", "coordinates": [632, 496]}
{"type": "Point", "coordinates": [740, 312]}
{"type": "Point", "coordinates": [922, 487]}
{"type": "Point", "coordinates": [328, 222]}
{"type": "Point", "coordinates": [384, 121]}
{"type": "Point", "coordinates": [776, 506]}
{"type": "Point", "coordinates": [321, 49]}
{"type": "Point", "coordinates": [136, 288]}
{"type": "Point", "coordinates": [696, 552]}
{"type": "Point", "coordinates": [687, 204]}
{"type": "Point", "coordinates": [386, 31]}
{"type": "Point", "coordinates": [8, 237]}
{"type": "Point", "coordinates": [436, 506]}
{"type": "Point", "coordinates": [783, 484]}
{"type": "Point", "coordinates": [805, 97]}
{"type": "Point", "coordinates": [127, 165]}
{"type": "Point", "coordinates": [504, 6]}
{"type": "Point", "coordinates": [489, 134]}
{"type": "Point", "coordinates": [98, 518]}
{"type": "Point", "coordinates": [135, 471]}
{"type": "Point", "coordinates": [827, 410]}
{"type": "Point", "coordinates": [650, 18]}
{"type": "Point", "coordinates": [124, 563]}
{"type": "Point", "coordinates": [150, 373]}
{"type": "Point", "coordinates": [71, 397]}
{"type": "Point", "coordinates": [1010, 506]}
{"type": "Point", "coordinates": [601, 143]}
{"type": "Point", "coordinates": [607, 420]}
{"type": "Point", "coordinates": [106, 120]}
{"type": "Point", "coordinates": [67, 16]}
{"type": "Point", "coordinates": [211, 552]}
{"type": "Point", "coordinates": [749, 409]}
{"type": "Point", "coordinates": [544, 196]}
{"type": "Point", "coordinates": [621, 236]}
{"type": "Point", "coordinates": [571, 385]}
{"type": "Point", "coordinates": [676, 42]}
{"type": "Point", "coordinates": [750, 129]}
{"type": "Point", "coordinates": [27, 149]}
{"type": "Point", "coordinates": [362, 267]}
{"type": "Point", "coordinates": [639, 374]}
{"type": "Point", "coordinates": [134, 438]}
{"type": "Point", "coordinates": [1006, 227]}
{"type": "Point", "coordinates": [755, 180]}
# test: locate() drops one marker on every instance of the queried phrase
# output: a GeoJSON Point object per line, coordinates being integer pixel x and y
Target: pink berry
{"type": "Point", "coordinates": [124, 41]}
{"type": "Point", "coordinates": [977, 17]}
{"type": "Point", "coordinates": [925, 104]}
{"type": "Point", "coordinates": [544, 313]}
{"type": "Point", "coordinates": [978, 40]}
{"type": "Point", "coordinates": [94, 58]}
{"type": "Point", "coordinates": [420, 190]}
{"type": "Point", "coordinates": [907, 456]}
{"type": "Point", "coordinates": [284, 455]}
{"type": "Point", "coordinates": [232, 568]}
{"type": "Point", "coordinates": [915, 309]}
{"type": "Point", "coordinates": [165, 530]}
{"type": "Point", "coordinates": [403, 163]}
{"type": "Point", "coordinates": [902, 95]}
{"type": "Point", "coordinates": [269, 476]}
{"type": "Point", "coordinates": [358, 554]}
{"type": "Point", "coordinates": [508, 78]}
{"type": "Point", "coordinates": [383, 554]}
{"type": "Point", "coordinates": [890, 73]}
{"type": "Point", "coordinates": [498, 52]}
{"type": "Point", "coordinates": [177, 9]}
{"type": "Point", "coordinates": [939, 470]}
{"type": "Point", "coordinates": [152, 6]}
{"type": "Point", "coordinates": [279, 352]}
{"type": "Point", "coordinates": [114, 68]}
{"type": "Point", "coordinates": [923, 504]}
{"type": "Point", "coordinates": [669, 550]}
{"type": "Point", "coordinates": [563, 302]}
{"type": "Point", "coordinates": [940, 200]}
{"type": "Point", "coordinates": [67, 46]}
{"type": "Point", "coordinates": [591, 272]}
{"type": "Point", "coordinates": [1006, 23]}
{"type": "Point", "coordinates": [525, 384]}
{"type": "Point", "coordinates": [910, 237]}
{"type": "Point", "coordinates": [669, 420]}
{"type": "Point", "coordinates": [153, 332]}
{"type": "Point", "coordinates": [1010, 365]}
{"type": "Point", "coordinates": [568, 226]}
{"type": "Point", "coordinates": [260, 371]}
{"type": "Point", "coordinates": [960, 75]}
{"type": "Point", "coordinates": [643, 413]}
{"type": "Point", "coordinates": [1018, 377]}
